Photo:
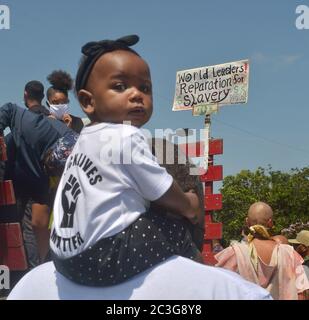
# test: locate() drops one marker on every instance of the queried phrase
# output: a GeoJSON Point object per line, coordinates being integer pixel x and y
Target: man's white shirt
{"type": "Point", "coordinates": [177, 278]}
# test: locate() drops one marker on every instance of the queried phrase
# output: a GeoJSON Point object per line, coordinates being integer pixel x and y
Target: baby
{"type": "Point", "coordinates": [103, 231]}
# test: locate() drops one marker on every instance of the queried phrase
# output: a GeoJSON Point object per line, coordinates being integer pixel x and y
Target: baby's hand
{"type": "Point", "coordinates": [195, 209]}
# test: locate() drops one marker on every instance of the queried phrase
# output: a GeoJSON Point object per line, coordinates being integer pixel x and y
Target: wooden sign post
{"type": "Point", "coordinates": [204, 90]}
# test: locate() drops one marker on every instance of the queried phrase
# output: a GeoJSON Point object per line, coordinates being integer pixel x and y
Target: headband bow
{"type": "Point", "coordinates": [92, 52]}
{"type": "Point", "coordinates": [91, 49]}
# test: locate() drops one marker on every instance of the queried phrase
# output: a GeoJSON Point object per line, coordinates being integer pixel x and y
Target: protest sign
{"type": "Point", "coordinates": [221, 84]}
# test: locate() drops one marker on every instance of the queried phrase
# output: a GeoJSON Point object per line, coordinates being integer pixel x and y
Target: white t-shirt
{"type": "Point", "coordinates": [177, 278]}
{"type": "Point", "coordinates": [108, 182]}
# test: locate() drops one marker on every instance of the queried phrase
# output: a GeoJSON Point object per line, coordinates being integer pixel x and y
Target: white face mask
{"type": "Point", "coordinates": [58, 110]}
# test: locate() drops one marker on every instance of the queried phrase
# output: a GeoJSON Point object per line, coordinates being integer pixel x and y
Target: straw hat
{"type": "Point", "coordinates": [301, 238]}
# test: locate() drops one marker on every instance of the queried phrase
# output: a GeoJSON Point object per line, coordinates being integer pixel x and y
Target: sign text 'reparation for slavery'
{"type": "Point", "coordinates": [220, 84]}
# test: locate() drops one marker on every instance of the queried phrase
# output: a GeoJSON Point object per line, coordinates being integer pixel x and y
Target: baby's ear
{"type": "Point", "coordinates": [86, 101]}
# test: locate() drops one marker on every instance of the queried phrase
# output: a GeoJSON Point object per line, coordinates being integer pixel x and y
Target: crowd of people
{"type": "Point", "coordinates": [107, 225]}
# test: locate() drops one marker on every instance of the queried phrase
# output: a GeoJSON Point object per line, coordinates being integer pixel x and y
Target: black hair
{"type": "Point", "coordinates": [60, 81]}
{"type": "Point", "coordinates": [92, 51]}
{"type": "Point", "coordinates": [35, 90]}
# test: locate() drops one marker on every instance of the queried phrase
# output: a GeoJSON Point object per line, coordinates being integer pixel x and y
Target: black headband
{"type": "Point", "coordinates": [94, 50]}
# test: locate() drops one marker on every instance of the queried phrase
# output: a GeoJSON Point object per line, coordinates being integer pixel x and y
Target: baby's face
{"type": "Point", "coordinates": [121, 88]}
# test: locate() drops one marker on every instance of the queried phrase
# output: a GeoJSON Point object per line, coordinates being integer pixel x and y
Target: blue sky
{"type": "Point", "coordinates": [272, 128]}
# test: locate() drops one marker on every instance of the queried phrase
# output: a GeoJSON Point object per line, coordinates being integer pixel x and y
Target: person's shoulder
{"type": "Point", "coordinates": [286, 247]}
{"type": "Point", "coordinates": [290, 254]}
{"type": "Point", "coordinates": [246, 290]}
{"type": "Point", "coordinates": [12, 106]}
{"type": "Point", "coordinates": [239, 245]}
{"type": "Point", "coordinates": [185, 279]}
{"type": "Point", "coordinates": [56, 124]}
{"type": "Point", "coordinates": [8, 104]}
{"type": "Point", "coordinates": [40, 109]}
{"type": "Point", "coordinates": [29, 285]}
{"type": "Point", "coordinates": [215, 282]}
{"type": "Point", "coordinates": [225, 255]}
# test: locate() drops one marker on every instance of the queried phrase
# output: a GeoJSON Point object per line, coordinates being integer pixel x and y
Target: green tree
{"type": "Point", "coordinates": [286, 193]}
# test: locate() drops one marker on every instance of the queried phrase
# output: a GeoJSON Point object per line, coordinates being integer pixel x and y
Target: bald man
{"type": "Point", "coordinates": [274, 266]}
{"type": "Point", "coordinates": [260, 213]}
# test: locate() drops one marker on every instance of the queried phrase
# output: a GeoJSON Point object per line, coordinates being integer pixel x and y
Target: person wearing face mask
{"type": "Point", "coordinates": [58, 99]}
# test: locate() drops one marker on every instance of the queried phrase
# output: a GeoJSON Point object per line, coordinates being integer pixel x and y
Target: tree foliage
{"type": "Point", "coordinates": [286, 193]}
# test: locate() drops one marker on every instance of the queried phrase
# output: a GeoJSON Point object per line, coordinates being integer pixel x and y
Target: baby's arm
{"type": "Point", "coordinates": [153, 182]}
{"type": "Point", "coordinates": [185, 204]}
